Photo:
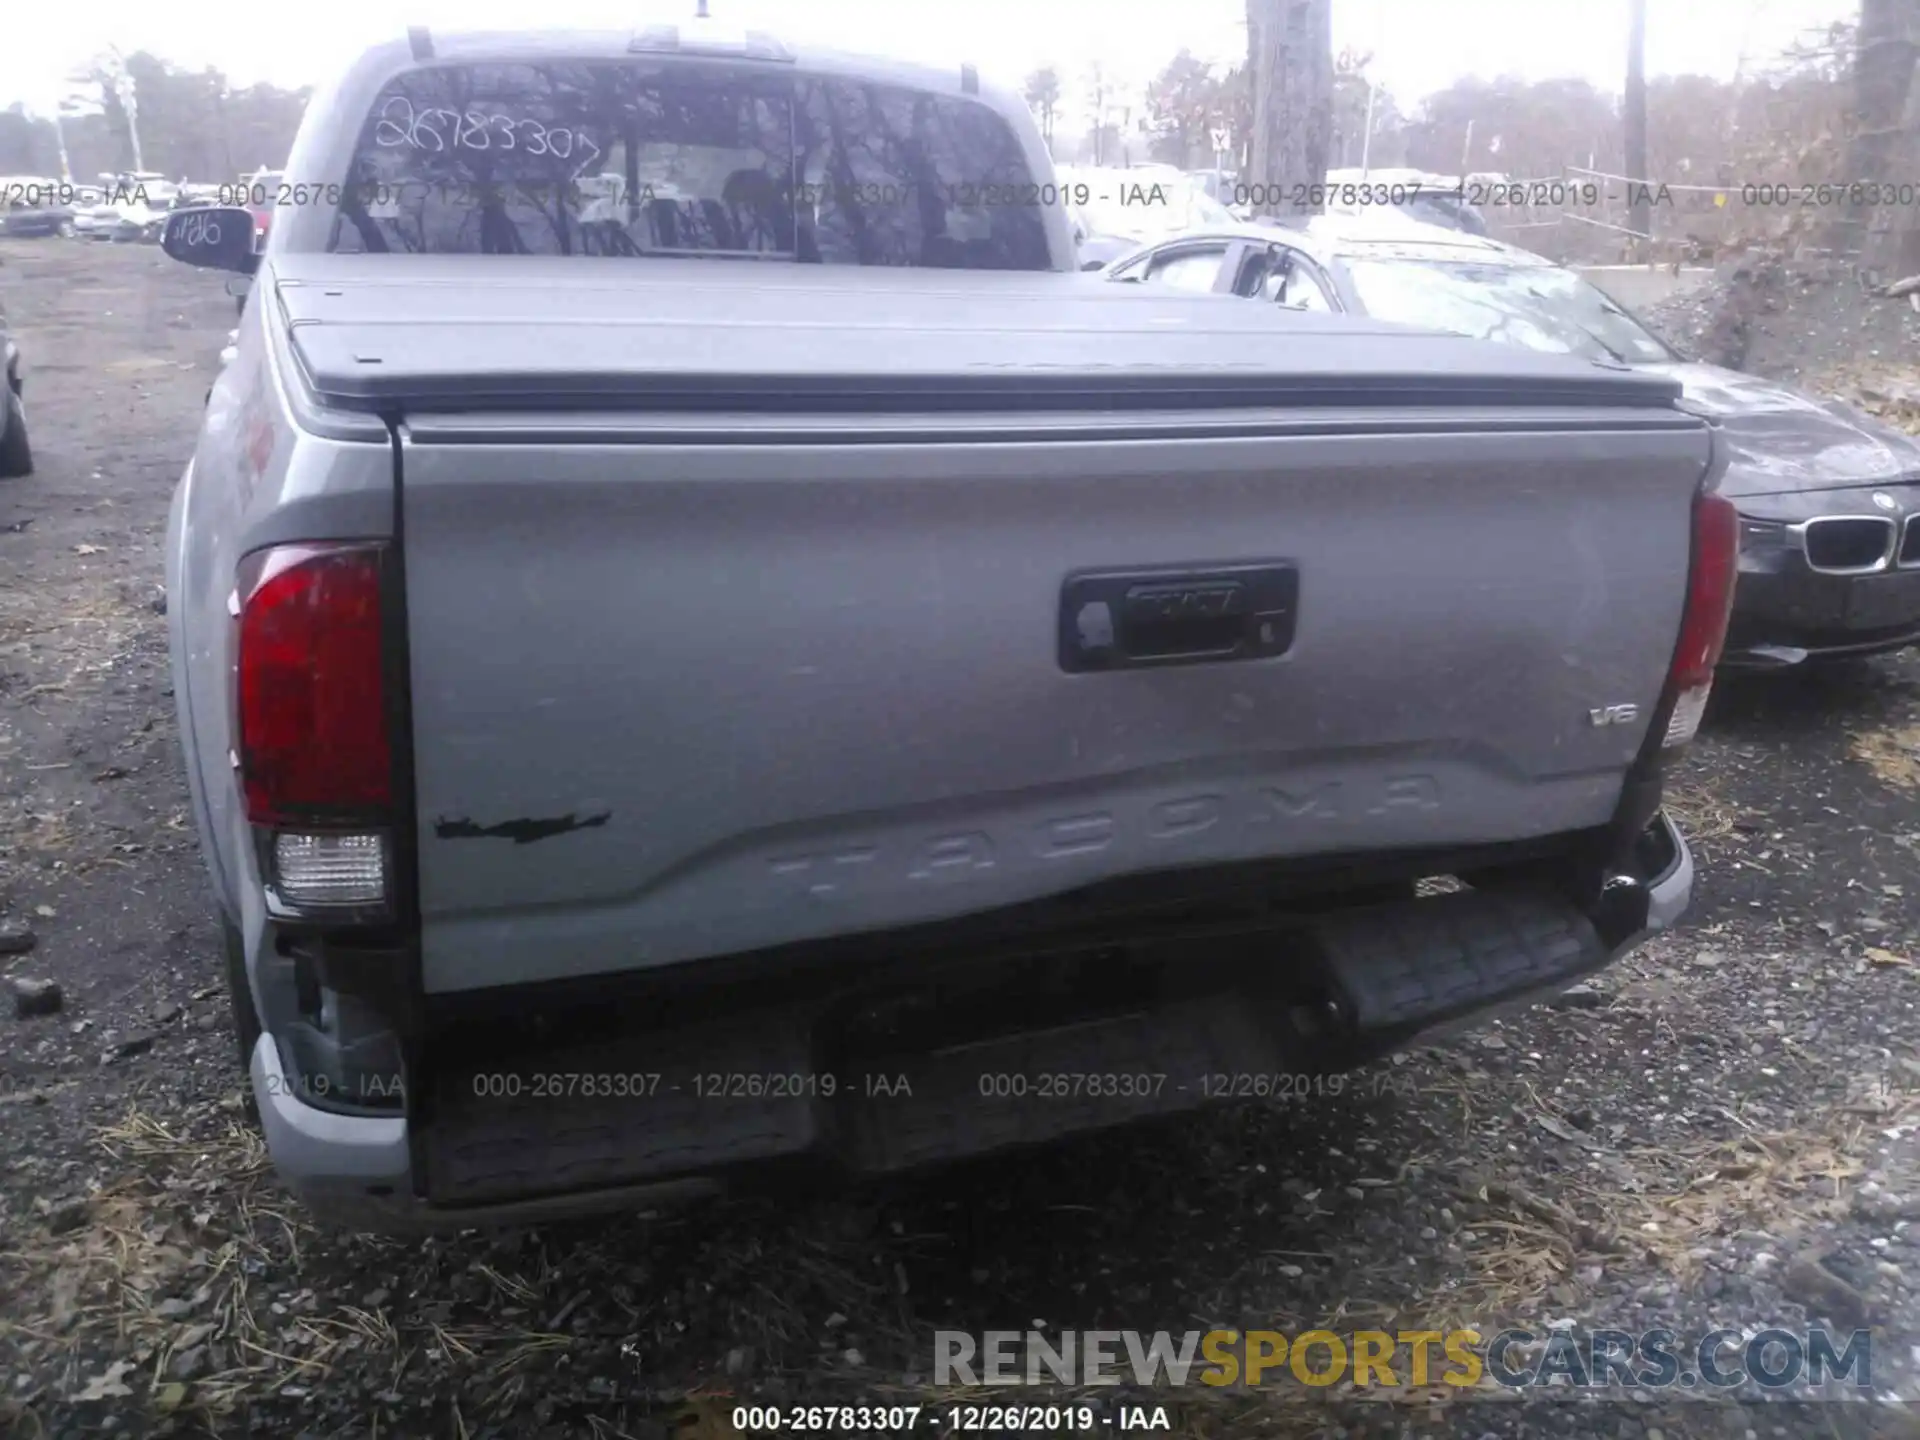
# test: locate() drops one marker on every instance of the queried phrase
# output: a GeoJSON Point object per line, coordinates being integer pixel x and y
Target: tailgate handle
{"type": "Point", "coordinates": [1123, 619]}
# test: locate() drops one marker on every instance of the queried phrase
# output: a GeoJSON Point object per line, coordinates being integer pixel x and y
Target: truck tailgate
{"type": "Point", "coordinates": [739, 599]}
{"type": "Point", "coordinates": [688, 689]}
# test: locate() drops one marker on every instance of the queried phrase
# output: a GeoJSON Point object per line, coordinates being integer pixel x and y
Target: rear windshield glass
{"type": "Point", "coordinates": [635, 159]}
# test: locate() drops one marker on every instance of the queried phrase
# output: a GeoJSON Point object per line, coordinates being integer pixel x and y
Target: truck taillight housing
{"type": "Point", "coordinates": [1703, 628]}
{"type": "Point", "coordinates": [313, 753]}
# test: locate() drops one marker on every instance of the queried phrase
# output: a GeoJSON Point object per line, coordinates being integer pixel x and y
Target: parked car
{"type": "Point", "coordinates": [31, 207]}
{"type": "Point", "coordinates": [94, 218]}
{"type": "Point", "coordinates": [261, 191]}
{"type": "Point", "coordinates": [79, 207]}
{"type": "Point", "coordinates": [137, 223]}
{"type": "Point", "coordinates": [16, 454]}
{"type": "Point", "coordinates": [1218, 185]}
{"type": "Point", "coordinates": [1113, 209]}
{"type": "Point", "coordinates": [1829, 498]}
{"type": "Point", "coordinates": [1442, 200]}
{"type": "Point", "coordinates": [140, 210]}
{"type": "Point", "coordinates": [761, 714]}
{"type": "Point", "coordinates": [26, 222]}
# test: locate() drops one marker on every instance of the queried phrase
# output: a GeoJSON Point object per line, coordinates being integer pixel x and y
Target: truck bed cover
{"type": "Point", "coordinates": [467, 333]}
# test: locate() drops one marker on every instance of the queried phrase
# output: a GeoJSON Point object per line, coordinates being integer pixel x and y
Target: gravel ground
{"type": "Point", "coordinates": [1722, 1131]}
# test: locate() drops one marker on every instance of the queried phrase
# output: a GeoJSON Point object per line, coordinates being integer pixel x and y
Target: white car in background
{"type": "Point", "coordinates": [1116, 209]}
{"type": "Point", "coordinates": [141, 219]}
{"type": "Point", "coordinates": [92, 215]}
{"type": "Point", "coordinates": [1420, 195]}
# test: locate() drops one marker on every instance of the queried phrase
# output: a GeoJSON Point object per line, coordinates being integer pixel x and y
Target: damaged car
{"type": "Point", "coordinates": [1829, 497]}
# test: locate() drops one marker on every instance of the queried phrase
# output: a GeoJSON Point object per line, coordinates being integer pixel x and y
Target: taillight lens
{"type": "Point", "coordinates": [311, 701]}
{"type": "Point", "coordinates": [1703, 629]}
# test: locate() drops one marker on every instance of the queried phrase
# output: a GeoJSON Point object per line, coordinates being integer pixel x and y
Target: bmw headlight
{"type": "Point", "coordinates": [1762, 534]}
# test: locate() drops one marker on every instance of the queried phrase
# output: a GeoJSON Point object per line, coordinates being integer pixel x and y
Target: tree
{"type": "Point", "coordinates": [1099, 91]}
{"type": "Point", "coordinates": [1357, 104]}
{"type": "Point", "coordinates": [1634, 126]}
{"type": "Point", "coordinates": [1099, 96]}
{"type": "Point", "coordinates": [1236, 112]}
{"type": "Point", "coordinates": [1043, 95]}
{"type": "Point", "coordinates": [1290, 60]}
{"type": "Point", "coordinates": [190, 123]}
{"type": "Point", "coordinates": [1185, 102]}
{"type": "Point", "coordinates": [1542, 126]}
{"type": "Point", "coordinates": [1886, 137]}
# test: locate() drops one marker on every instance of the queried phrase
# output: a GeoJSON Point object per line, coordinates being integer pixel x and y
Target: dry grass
{"type": "Point", "coordinates": [199, 1217]}
{"type": "Point", "coordinates": [192, 1220]}
{"type": "Point", "coordinates": [1700, 813]}
{"type": "Point", "coordinates": [1677, 1198]}
{"type": "Point", "coordinates": [1893, 754]}
{"type": "Point", "coordinates": [196, 1220]}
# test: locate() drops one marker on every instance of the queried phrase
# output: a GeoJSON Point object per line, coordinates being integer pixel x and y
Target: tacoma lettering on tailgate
{"type": "Point", "coordinates": [955, 856]}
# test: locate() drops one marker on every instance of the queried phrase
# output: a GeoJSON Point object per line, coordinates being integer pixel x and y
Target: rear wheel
{"type": "Point", "coordinates": [16, 455]}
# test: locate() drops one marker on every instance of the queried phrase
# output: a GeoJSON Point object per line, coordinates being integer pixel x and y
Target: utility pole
{"type": "Point", "coordinates": [1640, 200]}
{"type": "Point", "coordinates": [60, 139]}
{"type": "Point", "coordinates": [113, 66]}
{"type": "Point", "coordinates": [78, 96]}
{"type": "Point", "coordinates": [1373, 89]}
{"type": "Point", "coordinates": [1366, 131]}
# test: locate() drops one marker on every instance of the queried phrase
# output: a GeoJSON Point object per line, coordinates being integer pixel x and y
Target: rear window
{"type": "Point", "coordinates": [635, 159]}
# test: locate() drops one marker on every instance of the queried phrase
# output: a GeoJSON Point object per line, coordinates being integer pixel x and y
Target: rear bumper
{"type": "Point", "coordinates": [1394, 975]}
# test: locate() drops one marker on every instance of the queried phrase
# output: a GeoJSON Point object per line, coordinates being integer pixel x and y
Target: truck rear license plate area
{"type": "Point", "coordinates": [608, 1113]}
{"type": "Point", "coordinates": [801, 1083]}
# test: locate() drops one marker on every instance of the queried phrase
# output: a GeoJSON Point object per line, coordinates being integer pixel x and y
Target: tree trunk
{"type": "Point", "coordinates": [1886, 141]}
{"type": "Point", "coordinates": [1290, 60]}
{"type": "Point", "coordinates": [1634, 116]}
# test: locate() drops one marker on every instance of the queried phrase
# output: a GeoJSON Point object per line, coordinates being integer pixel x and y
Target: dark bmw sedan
{"type": "Point", "coordinates": [1830, 541]}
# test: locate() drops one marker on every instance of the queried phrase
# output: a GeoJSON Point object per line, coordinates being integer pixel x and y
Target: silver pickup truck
{"type": "Point", "coordinates": [706, 650]}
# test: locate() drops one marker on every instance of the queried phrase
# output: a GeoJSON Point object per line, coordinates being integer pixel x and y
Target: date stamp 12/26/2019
{"type": "Point", "coordinates": [965, 1417]}
{"type": "Point", "coordinates": [992, 1087]}
{"type": "Point", "coordinates": [1216, 1085]}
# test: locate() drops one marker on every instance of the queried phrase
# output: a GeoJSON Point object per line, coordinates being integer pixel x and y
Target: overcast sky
{"type": "Point", "coordinates": [1419, 45]}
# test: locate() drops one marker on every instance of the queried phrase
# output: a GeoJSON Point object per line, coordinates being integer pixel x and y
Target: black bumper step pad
{"type": "Point", "coordinates": [1406, 967]}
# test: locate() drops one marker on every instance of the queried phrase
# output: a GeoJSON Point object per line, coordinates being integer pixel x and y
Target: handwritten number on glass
{"type": "Point", "coordinates": [400, 125]}
{"type": "Point", "coordinates": [197, 230]}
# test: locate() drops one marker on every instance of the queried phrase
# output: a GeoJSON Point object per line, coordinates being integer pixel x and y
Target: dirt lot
{"type": "Point", "coordinates": [1725, 1131]}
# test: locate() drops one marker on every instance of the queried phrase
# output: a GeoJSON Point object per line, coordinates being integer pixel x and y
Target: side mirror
{"type": "Point", "coordinates": [212, 237]}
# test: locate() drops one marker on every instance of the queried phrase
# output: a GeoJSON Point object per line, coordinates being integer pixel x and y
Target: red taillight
{"type": "Point", "coordinates": [311, 706]}
{"type": "Point", "coordinates": [1703, 627]}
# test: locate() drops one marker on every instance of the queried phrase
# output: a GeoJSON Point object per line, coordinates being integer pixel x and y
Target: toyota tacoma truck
{"type": "Point", "coordinates": [707, 651]}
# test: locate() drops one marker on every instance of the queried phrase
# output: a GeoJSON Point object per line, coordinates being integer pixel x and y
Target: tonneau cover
{"type": "Point", "coordinates": [461, 333]}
